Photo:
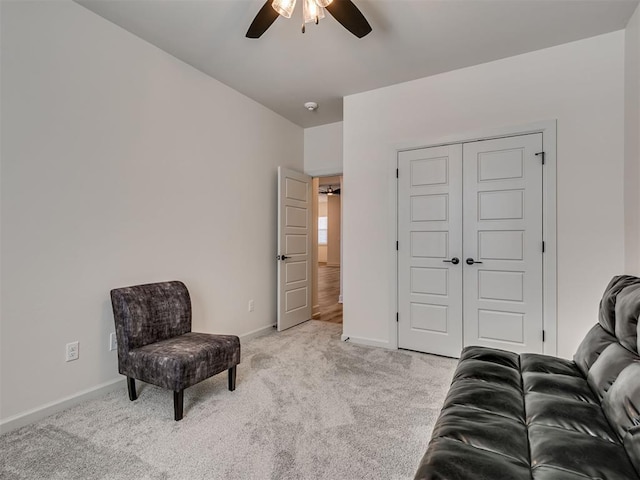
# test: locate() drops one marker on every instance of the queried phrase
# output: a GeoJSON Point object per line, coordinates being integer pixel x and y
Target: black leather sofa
{"type": "Point", "coordinates": [530, 416]}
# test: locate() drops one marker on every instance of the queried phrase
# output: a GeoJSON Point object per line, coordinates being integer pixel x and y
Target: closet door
{"type": "Point", "coordinates": [430, 250]}
{"type": "Point", "coordinates": [503, 243]}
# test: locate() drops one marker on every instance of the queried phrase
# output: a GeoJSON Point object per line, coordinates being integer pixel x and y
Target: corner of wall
{"type": "Point", "coordinates": [632, 146]}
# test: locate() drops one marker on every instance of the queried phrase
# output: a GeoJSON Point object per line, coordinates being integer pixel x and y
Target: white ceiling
{"type": "Point", "coordinates": [411, 39]}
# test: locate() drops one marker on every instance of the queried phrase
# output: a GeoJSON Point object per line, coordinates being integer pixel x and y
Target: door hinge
{"type": "Point", "coordinates": [542, 155]}
{"type": "Point", "coordinates": [543, 246]}
{"type": "Point", "coordinates": [397, 173]}
{"type": "Point", "coordinates": [397, 317]}
{"type": "Point", "coordinates": [397, 245]}
{"type": "Point", "coordinates": [543, 335]}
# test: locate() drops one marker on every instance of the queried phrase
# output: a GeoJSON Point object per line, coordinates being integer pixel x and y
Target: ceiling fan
{"type": "Point", "coordinates": [344, 11]}
{"type": "Point", "coordinates": [330, 191]}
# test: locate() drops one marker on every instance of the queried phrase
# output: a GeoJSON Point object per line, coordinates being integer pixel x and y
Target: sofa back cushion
{"type": "Point", "coordinates": [592, 347]}
{"type": "Point", "coordinates": [621, 404]}
{"type": "Point", "coordinates": [608, 357]}
{"type": "Point", "coordinates": [607, 314]}
{"type": "Point", "coordinates": [617, 322]}
{"type": "Point", "coordinates": [627, 311]}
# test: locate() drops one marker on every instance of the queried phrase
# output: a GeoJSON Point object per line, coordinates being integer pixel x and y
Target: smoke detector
{"type": "Point", "coordinates": [311, 106]}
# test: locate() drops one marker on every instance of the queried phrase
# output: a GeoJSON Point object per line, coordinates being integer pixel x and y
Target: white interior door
{"type": "Point", "coordinates": [479, 203]}
{"type": "Point", "coordinates": [503, 243]}
{"type": "Point", "coordinates": [430, 250]}
{"type": "Point", "coordinates": [294, 248]}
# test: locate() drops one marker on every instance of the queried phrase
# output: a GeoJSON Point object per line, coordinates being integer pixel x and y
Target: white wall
{"type": "Point", "coordinates": [580, 84]}
{"type": "Point", "coordinates": [632, 145]}
{"type": "Point", "coordinates": [322, 253]}
{"type": "Point", "coordinates": [333, 233]}
{"type": "Point", "coordinates": [323, 150]}
{"type": "Point", "coordinates": [122, 165]}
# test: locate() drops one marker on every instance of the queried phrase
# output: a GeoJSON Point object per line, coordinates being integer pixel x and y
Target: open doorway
{"type": "Point", "coordinates": [327, 249]}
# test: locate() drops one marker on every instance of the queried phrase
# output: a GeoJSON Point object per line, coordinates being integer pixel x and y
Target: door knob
{"type": "Point", "coordinates": [454, 260]}
{"type": "Point", "coordinates": [471, 261]}
{"type": "Point", "coordinates": [282, 257]}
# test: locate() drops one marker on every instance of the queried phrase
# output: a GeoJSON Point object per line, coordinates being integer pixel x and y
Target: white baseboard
{"type": "Point", "coordinates": [366, 341]}
{"type": "Point", "coordinates": [44, 411]}
{"type": "Point", "coordinates": [257, 333]}
{"type": "Point", "coordinates": [31, 416]}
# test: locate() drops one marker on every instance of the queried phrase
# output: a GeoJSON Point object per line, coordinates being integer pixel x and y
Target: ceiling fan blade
{"type": "Point", "coordinates": [345, 12]}
{"type": "Point", "coordinates": [265, 17]}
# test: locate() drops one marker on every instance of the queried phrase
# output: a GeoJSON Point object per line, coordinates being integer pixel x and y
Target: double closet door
{"type": "Point", "coordinates": [470, 246]}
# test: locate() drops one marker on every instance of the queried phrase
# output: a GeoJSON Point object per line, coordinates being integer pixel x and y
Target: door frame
{"type": "Point", "coordinates": [548, 128]}
{"type": "Point", "coordinates": [316, 175]}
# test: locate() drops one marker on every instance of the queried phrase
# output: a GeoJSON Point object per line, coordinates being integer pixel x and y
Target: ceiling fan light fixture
{"type": "Point", "coordinates": [284, 7]}
{"type": "Point", "coordinates": [344, 11]}
{"type": "Point", "coordinates": [311, 11]}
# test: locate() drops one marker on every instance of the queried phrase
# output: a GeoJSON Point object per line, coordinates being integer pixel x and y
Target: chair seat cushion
{"type": "Point", "coordinates": [183, 361]}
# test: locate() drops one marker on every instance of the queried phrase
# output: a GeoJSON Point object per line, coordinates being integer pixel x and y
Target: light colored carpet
{"type": "Point", "coordinates": [307, 406]}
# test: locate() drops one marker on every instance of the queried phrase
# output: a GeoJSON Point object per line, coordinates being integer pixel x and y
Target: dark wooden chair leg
{"type": "Point", "coordinates": [131, 386]}
{"type": "Point", "coordinates": [178, 401]}
{"type": "Point", "coordinates": [232, 378]}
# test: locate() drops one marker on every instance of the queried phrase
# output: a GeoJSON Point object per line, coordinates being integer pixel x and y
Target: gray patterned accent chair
{"type": "Point", "coordinates": [156, 344]}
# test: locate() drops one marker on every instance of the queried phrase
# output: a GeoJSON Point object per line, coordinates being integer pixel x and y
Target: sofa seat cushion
{"type": "Point", "coordinates": [449, 459]}
{"type": "Point", "coordinates": [547, 472]}
{"type": "Point", "coordinates": [180, 362]}
{"type": "Point", "coordinates": [491, 355]}
{"type": "Point", "coordinates": [561, 386]}
{"type": "Point", "coordinates": [568, 414]}
{"type": "Point", "coordinates": [484, 430]}
{"type": "Point", "coordinates": [486, 397]}
{"type": "Point", "coordinates": [493, 373]}
{"type": "Point", "coordinates": [537, 363]}
{"type": "Point", "coordinates": [577, 454]}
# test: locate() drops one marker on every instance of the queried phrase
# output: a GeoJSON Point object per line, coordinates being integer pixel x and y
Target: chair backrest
{"type": "Point", "coordinates": [149, 313]}
{"type": "Point", "coordinates": [608, 357]}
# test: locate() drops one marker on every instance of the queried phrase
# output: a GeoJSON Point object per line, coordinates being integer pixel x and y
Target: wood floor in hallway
{"type": "Point", "coordinates": [328, 293]}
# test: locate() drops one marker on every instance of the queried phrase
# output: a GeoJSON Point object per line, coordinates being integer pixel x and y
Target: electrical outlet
{"type": "Point", "coordinates": [113, 343]}
{"type": "Point", "coordinates": [72, 351]}
{"type": "Point", "coordinates": [251, 305]}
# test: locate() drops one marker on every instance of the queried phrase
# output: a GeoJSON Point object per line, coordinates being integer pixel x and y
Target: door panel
{"type": "Point", "coordinates": [294, 242]}
{"type": "Point", "coordinates": [503, 230]}
{"type": "Point", "coordinates": [430, 232]}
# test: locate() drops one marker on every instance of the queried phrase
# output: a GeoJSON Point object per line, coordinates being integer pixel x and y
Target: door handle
{"type": "Point", "coordinates": [282, 257]}
{"type": "Point", "coordinates": [454, 260]}
{"type": "Point", "coordinates": [471, 261]}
